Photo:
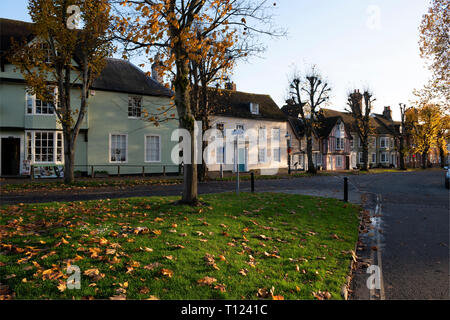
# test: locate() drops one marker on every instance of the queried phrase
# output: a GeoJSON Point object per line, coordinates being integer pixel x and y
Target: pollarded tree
{"type": "Point", "coordinates": [65, 58]}
{"type": "Point", "coordinates": [317, 93]}
{"type": "Point", "coordinates": [402, 135]}
{"type": "Point", "coordinates": [360, 108]}
{"type": "Point", "coordinates": [170, 27]}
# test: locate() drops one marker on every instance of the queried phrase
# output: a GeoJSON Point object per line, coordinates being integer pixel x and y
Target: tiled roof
{"type": "Point", "coordinates": [118, 75]}
{"type": "Point", "coordinates": [237, 104]}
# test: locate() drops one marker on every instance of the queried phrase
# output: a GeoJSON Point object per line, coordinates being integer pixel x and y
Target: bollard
{"type": "Point", "coordinates": [31, 172]}
{"type": "Point", "coordinates": [345, 189]}
{"type": "Point", "coordinates": [143, 171]}
{"type": "Point", "coordinates": [252, 175]}
{"type": "Point", "coordinates": [118, 171]}
{"type": "Point", "coordinates": [92, 171]}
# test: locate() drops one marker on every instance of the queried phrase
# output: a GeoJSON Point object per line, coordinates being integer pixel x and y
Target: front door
{"type": "Point", "coordinates": [241, 159]}
{"type": "Point", "coordinates": [347, 163]}
{"type": "Point", "coordinates": [10, 156]}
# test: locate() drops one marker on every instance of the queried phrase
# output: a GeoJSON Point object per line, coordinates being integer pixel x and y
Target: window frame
{"type": "Point", "coordinates": [133, 107]}
{"type": "Point", "coordinates": [265, 145]}
{"type": "Point", "coordinates": [147, 150]}
{"type": "Point", "coordinates": [340, 143]}
{"type": "Point", "coordinates": [386, 142]}
{"type": "Point", "coordinates": [30, 146]}
{"type": "Point", "coordinates": [338, 161]}
{"type": "Point", "coordinates": [386, 157]}
{"type": "Point", "coordinates": [126, 147]}
{"type": "Point", "coordinates": [33, 99]}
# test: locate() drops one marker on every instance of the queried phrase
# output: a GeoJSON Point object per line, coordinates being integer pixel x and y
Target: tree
{"type": "Point", "coordinates": [434, 44]}
{"type": "Point", "coordinates": [425, 122]}
{"type": "Point", "coordinates": [443, 134]}
{"type": "Point", "coordinates": [171, 27]}
{"type": "Point", "coordinates": [402, 135]}
{"type": "Point", "coordinates": [317, 93]}
{"type": "Point", "coordinates": [361, 120]}
{"type": "Point", "coordinates": [65, 58]}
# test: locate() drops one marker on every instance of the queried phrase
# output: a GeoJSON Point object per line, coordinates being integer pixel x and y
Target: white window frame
{"type": "Point", "coordinates": [132, 99]}
{"type": "Point", "coordinates": [146, 149]}
{"type": "Point", "coordinates": [360, 157]}
{"type": "Point", "coordinates": [126, 147]}
{"type": "Point", "coordinates": [276, 150]}
{"type": "Point", "coordinates": [254, 108]}
{"type": "Point", "coordinates": [386, 157]}
{"type": "Point", "coordinates": [32, 156]}
{"type": "Point", "coordinates": [265, 145]}
{"type": "Point", "coordinates": [386, 142]}
{"type": "Point", "coordinates": [340, 143]}
{"type": "Point", "coordinates": [33, 99]}
{"type": "Point", "coordinates": [338, 161]}
{"type": "Point", "coordinates": [374, 157]}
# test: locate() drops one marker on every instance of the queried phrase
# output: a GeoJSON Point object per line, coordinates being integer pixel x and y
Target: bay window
{"type": "Point", "coordinates": [44, 146]}
{"type": "Point", "coordinates": [39, 106]}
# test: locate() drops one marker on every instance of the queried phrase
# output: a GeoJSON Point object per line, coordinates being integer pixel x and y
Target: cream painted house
{"type": "Point", "coordinates": [262, 146]}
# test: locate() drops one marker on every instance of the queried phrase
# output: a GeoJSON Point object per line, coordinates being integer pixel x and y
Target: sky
{"type": "Point", "coordinates": [355, 44]}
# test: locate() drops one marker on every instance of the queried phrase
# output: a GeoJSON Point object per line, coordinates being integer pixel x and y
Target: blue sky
{"type": "Point", "coordinates": [354, 43]}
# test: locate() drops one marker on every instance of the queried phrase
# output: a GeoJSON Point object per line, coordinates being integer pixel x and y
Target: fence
{"type": "Point", "coordinates": [104, 170]}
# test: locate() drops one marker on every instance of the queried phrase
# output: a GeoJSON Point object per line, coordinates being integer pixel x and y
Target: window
{"type": "Point", "coordinates": [152, 149]}
{"type": "Point", "coordinates": [262, 142]}
{"type": "Point", "coordinates": [339, 143]}
{"type": "Point", "coordinates": [38, 106]}
{"type": "Point", "coordinates": [42, 147]}
{"type": "Point", "coordinates": [339, 161]}
{"type": "Point", "coordinates": [276, 144]}
{"type": "Point", "coordinates": [374, 158]}
{"type": "Point", "coordinates": [276, 154]}
{"type": "Point", "coordinates": [134, 107]}
{"type": "Point", "coordinates": [254, 108]}
{"type": "Point", "coordinates": [384, 157]}
{"type": "Point", "coordinates": [384, 142]}
{"type": "Point", "coordinates": [220, 151]}
{"type": "Point", "coordinates": [118, 148]}
{"type": "Point", "coordinates": [47, 52]}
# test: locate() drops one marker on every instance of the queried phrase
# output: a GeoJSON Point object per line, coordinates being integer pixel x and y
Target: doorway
{"type": "Point", "coordinates": [10, 156]}
{"type": "Point", "coordinates": [347, 163]}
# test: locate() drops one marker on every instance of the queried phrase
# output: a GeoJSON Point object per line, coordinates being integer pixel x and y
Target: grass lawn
{"type": "Point", "coordinates": [233, 247]}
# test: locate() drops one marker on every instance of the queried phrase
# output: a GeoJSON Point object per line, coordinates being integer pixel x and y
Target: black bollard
{"type": "Point", "coordinates": [345, 189]}
{"type": "Point", "coordinates": [252, 175]}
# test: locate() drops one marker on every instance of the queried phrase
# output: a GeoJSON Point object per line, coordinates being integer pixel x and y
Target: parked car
{"type": "Point", "coordinates": [447, 177]}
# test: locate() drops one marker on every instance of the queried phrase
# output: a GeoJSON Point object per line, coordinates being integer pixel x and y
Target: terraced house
{"type": "Point", "coordinates": [114, 136]}
{"type": "Point", "coordinates": [383, 146]}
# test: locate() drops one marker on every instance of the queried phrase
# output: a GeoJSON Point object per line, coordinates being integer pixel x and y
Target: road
{"type": "Point", "coordinates": [410, 230]}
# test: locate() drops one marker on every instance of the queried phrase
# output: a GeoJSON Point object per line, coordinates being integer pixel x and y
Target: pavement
{"type": "Point", "coordinates": [408, 240]}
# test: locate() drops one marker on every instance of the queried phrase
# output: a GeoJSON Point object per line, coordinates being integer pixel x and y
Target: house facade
{"type": "Point", "coordinates": [114, 132]}
{"type": "Point", "coordinates": [261, 142]}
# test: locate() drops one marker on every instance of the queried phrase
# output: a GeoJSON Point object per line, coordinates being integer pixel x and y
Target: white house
{"type": "Point", "coordinates": [263, 142]}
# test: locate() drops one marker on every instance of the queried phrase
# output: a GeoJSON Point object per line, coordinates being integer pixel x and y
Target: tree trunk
{"type": "Point", "coordinates": [424, 159]}
{"type": "Point", "coordinates": [365, 165]}
{"type": "Point", "coordinates": [442, 156]}
{"type": "Point", "coordinates": [187, 121]}
{"type": "Point", "coordinates": [402, 154]}
{"type": "Point", "coordinates": [309, 147]}
{"type": "Point", "coordinates": [69, 158]}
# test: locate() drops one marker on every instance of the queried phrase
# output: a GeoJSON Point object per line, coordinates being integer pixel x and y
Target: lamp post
{"type": "Point", "coordinates": [288, 140]}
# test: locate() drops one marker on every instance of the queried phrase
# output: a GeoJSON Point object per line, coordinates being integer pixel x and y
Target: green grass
{"type": "Point", "coordinates": [298, 245]}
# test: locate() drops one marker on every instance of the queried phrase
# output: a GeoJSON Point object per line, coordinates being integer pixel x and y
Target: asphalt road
{"type": "Point", "coordinates": [413, 244]}
{"type": "Point", "coordinates": [410, 223]}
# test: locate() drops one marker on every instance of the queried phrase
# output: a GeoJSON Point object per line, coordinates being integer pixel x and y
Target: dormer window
{"type": "Point", "coordinates": [254, 108]}
{"type": "Point", "coordinates": [134, 107]}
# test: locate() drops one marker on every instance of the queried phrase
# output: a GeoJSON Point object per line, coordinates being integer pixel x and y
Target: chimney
{"type": "Point", "coordinates": [230, 86]}
{"type": "Point", "coordinates": [387, 113]}
{"type": "Point", "coordinates": [156, 68]}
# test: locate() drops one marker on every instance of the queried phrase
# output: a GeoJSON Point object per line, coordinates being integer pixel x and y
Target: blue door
{"type": "Point", "coordinates": [241, 159]}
